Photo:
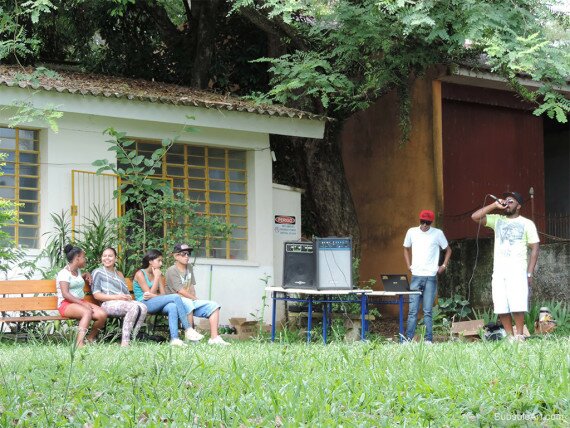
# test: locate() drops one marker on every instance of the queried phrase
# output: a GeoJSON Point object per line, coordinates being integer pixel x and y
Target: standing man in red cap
{"type": "Point", "coordinates": [512, 269]}
{"type": "Point", "coordinates": [422, 246]}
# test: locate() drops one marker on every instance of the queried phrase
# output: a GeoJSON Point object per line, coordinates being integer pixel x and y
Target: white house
{"type": "Point", "coordinates": [52, 171]}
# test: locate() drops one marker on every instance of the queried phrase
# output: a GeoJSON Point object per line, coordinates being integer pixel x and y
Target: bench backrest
{"type": "Point", "coordinates": [40, 295]}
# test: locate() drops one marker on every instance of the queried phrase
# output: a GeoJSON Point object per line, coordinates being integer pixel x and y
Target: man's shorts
{"type": "Point", "coordinates": [510, 291]}
{"type": "Point", "coordinates": [200, 308]}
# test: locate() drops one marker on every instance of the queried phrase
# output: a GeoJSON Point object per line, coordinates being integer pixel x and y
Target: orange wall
{"type": "Point", "coordinates": [390, 182]}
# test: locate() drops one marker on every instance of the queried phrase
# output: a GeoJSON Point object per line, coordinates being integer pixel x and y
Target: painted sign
{"type": "Point", "coordinates": [285, 225]}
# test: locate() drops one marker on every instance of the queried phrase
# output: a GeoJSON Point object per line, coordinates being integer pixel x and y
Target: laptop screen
{"type": "Point", "coordinates": [395, 282]}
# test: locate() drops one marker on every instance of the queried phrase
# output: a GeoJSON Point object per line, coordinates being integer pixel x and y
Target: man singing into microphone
{"type": "Point", "coordinates": [421, 251]}
{"type": "Point", "coordinates": [512, 273]}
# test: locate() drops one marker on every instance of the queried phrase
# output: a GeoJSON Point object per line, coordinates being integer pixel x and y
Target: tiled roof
{"type": "Point", "coordinates": [143, 90]}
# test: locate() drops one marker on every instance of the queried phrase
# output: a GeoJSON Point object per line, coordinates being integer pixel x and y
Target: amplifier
{"type": "Point", "coordinates": [299, 265]}
{"type": "Point", "coordinates": [333, 260]}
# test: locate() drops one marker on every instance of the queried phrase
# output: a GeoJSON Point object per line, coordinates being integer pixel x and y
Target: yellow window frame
{"type": "Point", "coordinates": [20, 210]}
{"type": "Point", "coordinates": [207, 202]}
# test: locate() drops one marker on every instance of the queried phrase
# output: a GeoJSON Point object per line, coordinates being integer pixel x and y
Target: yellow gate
{"type": "Point", "coordinates": [92, 194]}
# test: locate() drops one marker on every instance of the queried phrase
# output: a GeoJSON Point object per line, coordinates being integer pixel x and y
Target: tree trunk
{"type": "Point", "coordinates": [204, 15]}
{"type": "Point", "coordinates": [313, 165]}
{"type": "Point", "coordinates": [316, 166]}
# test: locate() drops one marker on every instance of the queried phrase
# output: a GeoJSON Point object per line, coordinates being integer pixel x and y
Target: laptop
{"type": "Point", "coordinates": [395, 282]}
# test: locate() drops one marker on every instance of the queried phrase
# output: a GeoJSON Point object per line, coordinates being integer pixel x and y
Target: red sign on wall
{"type": "Point", "coordinates": [284, 219]}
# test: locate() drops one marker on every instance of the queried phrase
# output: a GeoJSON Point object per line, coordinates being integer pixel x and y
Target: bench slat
{"type": "Point", "coordinates": [35, 286]}
{"type": "Point", "coordinates": [33, 319]}
{"type": "Point", "coordinates": [41, 303]}
{"type": "Point", "coordinates": [12, 301]}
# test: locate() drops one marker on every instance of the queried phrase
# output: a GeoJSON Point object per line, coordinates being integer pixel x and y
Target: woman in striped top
{"type": "Point", "coordinates": [110, 288]}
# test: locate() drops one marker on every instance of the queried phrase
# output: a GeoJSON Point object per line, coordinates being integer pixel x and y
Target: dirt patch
{"type": "Point", "coordinates": [386, 328]}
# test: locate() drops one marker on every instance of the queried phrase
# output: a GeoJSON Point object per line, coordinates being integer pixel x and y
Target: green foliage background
{"type": "Point", "coordinates": [329, 57]}
{"type": "Point", "coordinates": [359, 50]}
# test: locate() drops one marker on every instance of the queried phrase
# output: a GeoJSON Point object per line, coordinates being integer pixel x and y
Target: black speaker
{"type": "Point", "coordinates": [299, 265]}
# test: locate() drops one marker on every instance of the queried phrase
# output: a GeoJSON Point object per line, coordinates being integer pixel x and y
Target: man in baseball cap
{"type": "Point", "coordinates": [427, 215]}
{"type": "Point", "coordinates": [421, 251]}
{"type": "Point", "coordinates": [180, 280]}
{"type": "Point", "coordinates": [178, 248]}
{"type": "Point", "coordinates": [516, 195]}
{"type": "Point", "coordinates": [512, 269]}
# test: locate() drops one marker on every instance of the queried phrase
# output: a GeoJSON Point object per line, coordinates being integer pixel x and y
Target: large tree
{"type": "Point", "coordinates": [343, 55]}
{"type": "Point", "coordinates": [332, 57]}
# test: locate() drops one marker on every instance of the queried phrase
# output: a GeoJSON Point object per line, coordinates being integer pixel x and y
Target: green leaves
{"type": "Point", "coordinates": [8, 215]}
{"type": "Point", "coordinates": [27, 112]}
{"type": "Point", "coordinates": [155, 217]}
{"type": "Point", "coordinates": [35, 7]}
{"type": "Point", "coordinates": [358, 51]}
{"type": "Point", "coordinates": [556, 107]}
{"type": "Point", "coordinates": [15, 37]}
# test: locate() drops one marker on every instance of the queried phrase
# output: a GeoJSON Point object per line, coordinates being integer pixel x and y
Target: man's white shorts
{"type": "Point", "coordinates": [510, 291]}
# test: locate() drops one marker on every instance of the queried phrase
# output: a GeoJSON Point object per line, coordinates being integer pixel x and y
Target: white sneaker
{"type": "Point", "coordinates": [218, 341]}
{"type": "Point", "coordinates": [177, 342]}
{"type": "Point", "coordinates": [518, 338]}
{"type": "Point", "coordinates": [192, 335]}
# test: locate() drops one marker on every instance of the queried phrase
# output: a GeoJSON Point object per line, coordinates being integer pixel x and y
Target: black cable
{"type": "Point", "coordinates": [476, 251]}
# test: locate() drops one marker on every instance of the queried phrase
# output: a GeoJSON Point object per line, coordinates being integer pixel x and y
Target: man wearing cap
{"type": "Point", "coordinates": [180, 280]}
{"type": "Point", "coordinates": [422, 246]}
{"type": "Point", "coordinates": [512, 269]}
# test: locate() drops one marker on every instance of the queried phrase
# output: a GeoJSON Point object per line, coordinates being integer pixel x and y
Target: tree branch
{"type": "Point", "coordinates": [275, 26]}
{"type": "Point", "coordinates": [164, 25]}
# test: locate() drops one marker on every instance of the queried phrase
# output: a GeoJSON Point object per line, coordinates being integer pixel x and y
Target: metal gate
{"type": "Point", "coordinates": [92, 195]}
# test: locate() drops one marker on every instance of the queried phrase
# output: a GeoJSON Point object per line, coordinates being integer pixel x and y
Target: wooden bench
{"type": "Point", "coordinates": [32, 296]}
{"type": "Point", "coordinates": [40, 295]}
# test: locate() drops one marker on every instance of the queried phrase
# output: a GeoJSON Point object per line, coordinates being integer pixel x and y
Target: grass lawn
{"type": "Point", "coordinates": [263, 384]}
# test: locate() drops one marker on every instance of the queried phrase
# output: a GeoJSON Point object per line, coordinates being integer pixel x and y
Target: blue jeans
{"type": "Point", "coordinates": [428, 286]}
{"type": "Point", "coordinates": [171, 305]}
{"type": "Point", "coordinates": [200, 308]}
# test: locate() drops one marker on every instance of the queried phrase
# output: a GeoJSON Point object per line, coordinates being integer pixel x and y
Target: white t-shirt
{"type": "Point", "coordinates": [425, 249]}
{"type": "Point", "coordinates": [76, 284]}
{"type": "Point", "coordinates": [512, 236]}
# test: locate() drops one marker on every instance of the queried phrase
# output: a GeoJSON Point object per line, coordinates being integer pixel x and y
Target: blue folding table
{"type": "Point", "coordinates": [318, 297]}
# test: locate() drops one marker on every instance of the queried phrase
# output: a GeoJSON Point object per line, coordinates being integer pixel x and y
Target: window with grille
{"type": "Point", "coordinates": [215, 179]}
{"type": "Point", "coordinates": [21, 183]}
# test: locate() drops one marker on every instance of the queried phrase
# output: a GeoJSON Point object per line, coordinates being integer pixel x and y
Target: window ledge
{"type": "Point", "coordinates": [31, 252]}
{"type": "Point", "coordinates": [225, 262]}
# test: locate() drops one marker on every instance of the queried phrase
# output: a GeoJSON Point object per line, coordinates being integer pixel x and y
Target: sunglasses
{"type": "Point", "coordinates": [426, 222]}
{"type": "Point", "coordinates": [184, 254]}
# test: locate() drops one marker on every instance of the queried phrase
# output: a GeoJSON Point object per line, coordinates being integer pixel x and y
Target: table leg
{"type": "Point", "coordinates": [363, 311]}
{"type": "Point", "coordinates": [401, 305]}
{"type": "Point", "coordinates": [309, 319]}
{"type": "Point", "coordinates": [273, 316]}
{"type": "Point", "coordinates": [325, 321]}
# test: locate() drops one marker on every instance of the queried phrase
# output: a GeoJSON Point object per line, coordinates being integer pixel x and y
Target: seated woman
{"type": "Point", "coordinates": [110, 288]}
{"type": "Point", "coordinates": [148, 287]}
{"type": "Point", "coordinates": [70, 294]}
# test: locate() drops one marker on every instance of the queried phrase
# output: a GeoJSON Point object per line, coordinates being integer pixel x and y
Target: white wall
{"type": "Point", "coordinates": [145, 111]}
{"type": "Point", "coordinates": [236, 284]}
{"type": "Point", "coordinates": [286, 202]}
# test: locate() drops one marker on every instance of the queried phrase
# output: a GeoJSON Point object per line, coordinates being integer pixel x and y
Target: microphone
{"type": "Point", "coordinates": [497, 199]}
